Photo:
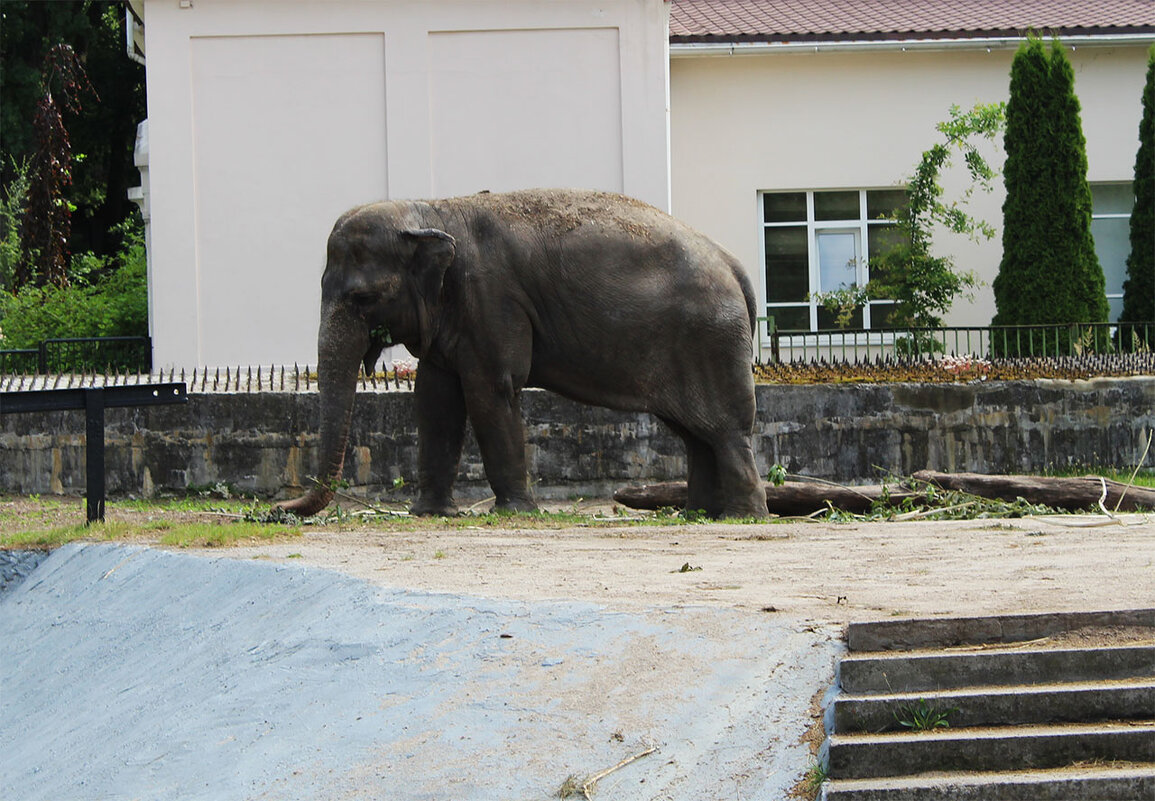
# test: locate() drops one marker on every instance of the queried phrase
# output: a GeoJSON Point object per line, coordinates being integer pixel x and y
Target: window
{"type": "Point", "coordinates": [820, 241]}
{"type": "Point", "coordinates": [1111, 227]}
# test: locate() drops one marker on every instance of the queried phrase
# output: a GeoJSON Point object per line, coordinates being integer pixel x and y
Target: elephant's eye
{"type": "Point", "coordinates": [363, 298]}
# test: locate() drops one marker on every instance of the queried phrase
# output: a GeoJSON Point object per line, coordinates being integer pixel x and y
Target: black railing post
{"type": "Point", "coordinates": [94, 454]}
{"type": "Point", "coordinates": [93, 400]}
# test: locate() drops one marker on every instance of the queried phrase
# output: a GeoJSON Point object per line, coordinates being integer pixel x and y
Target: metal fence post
{"type": "Point", "coordinates": [94, 454]}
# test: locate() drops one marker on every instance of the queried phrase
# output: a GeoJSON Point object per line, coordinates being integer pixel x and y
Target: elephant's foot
{"type": "Point", "coordinates": [520, 504]}
{"type": "Point", "coordinates": [747, 506]}
{"type": "Point", "coordinates": [433, 507]}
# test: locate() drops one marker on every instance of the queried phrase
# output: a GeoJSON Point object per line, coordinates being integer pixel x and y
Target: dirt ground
{"type": "Point", "coordinates": [821, 572]}
{"type": "Point", "coordinates": [816, 571]}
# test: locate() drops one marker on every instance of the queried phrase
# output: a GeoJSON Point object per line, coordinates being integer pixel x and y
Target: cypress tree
{"type": "Point", "coordinates": [1049, 271]}
{"type": "Point", "coordinates": [1089, 298]}
{"type": "Point", "coordinates": [1018, 285]}
{"type": "Point", "coordinates": [1139, 288]}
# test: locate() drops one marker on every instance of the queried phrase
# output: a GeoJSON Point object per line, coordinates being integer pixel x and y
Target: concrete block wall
{"type": "Point", "coordinates": [266, 443]}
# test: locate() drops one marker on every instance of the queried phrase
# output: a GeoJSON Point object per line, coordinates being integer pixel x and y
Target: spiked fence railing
{"type": "Point", "coordinates": [203, 380]}
{"type": "Point", "coordinates": [858, 346]}
{"type": "Point", "coordinates": [932, 355]}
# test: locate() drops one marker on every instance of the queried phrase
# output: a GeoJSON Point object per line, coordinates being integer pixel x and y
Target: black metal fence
{"type": "Point", "coordinates": [856, 346]}
{"type": "Point", "coordinates": [81, 355]}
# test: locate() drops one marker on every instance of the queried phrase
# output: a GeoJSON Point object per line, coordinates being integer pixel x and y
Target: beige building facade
{"type": "Point", "coordinates": [749, 123]}
{"type": "Point", "coordinates": [268, 118]}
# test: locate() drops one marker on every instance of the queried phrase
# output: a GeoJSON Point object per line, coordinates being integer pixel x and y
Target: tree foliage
{"type": "Point", "coordinates": [1139, 288]}
{"type": "Point", "coordinates": [924, 285]}
{"type": "Point", "coordinates": [1049, 271]}
{"type": "Point", "coordinates": [114, 305]}
{"type": "Point", "coordinates": [104, 134]}
{"type": "Point", "coordinates": [12, 199]}
{"type": "Point", "coordinates": [47, 221]}
{"type": "Point", "coordinates": [76, 215]}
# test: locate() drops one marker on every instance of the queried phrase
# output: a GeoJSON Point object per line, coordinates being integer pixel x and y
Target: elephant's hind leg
{"type": "Point", "coordinates": [723, 476]}
{"type": "Point", "coordinates": [702, 474]}
{"type": "Point", "coordinates": [740, 490]}
{"type": "Point", "coordinates": [724, 480]}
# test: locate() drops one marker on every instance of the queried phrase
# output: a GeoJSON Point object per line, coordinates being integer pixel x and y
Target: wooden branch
{"type": "Point", "coordinates": [796, 498]}
{"type": "Point", "coordinates": [589, 784]}
{"type": "Point", "coordinates": [789, 499]}
{"type": "Point", "coordinates": [1071, 494]}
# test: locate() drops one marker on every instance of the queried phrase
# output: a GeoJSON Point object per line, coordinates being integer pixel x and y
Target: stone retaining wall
{"type": "Point", "coordinates": [266, 443]}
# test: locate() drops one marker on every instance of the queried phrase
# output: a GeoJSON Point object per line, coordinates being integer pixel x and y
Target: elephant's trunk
{"type": "Point", "coordinates": [341, 344]}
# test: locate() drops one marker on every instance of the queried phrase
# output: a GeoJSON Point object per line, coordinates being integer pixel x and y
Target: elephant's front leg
{"type": "Point", "coordinates": [495, 411]}
{"type": "Point", "coordinates": [440, 436]}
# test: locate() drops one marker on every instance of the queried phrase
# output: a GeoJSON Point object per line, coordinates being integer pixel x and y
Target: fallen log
{"type": "Point", "coordinates": [788, 500]}
{"type": "Point", "coordinates": [1071, 494]}
{"type": "Point", "coordinates": [796, 498]}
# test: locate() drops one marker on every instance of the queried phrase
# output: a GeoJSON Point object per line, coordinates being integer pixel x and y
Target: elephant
{"type": "Point", "coordinates": [596, 296]}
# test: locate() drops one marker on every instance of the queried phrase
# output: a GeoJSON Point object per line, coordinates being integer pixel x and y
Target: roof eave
{"type": "Point", "coordinates": [689, 46]}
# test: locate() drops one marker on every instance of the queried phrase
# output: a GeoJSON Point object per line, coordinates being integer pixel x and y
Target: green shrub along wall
{"type": "Point", "coordinates": [267, 443]}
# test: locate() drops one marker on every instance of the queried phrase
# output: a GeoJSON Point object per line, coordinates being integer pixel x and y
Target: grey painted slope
{"type": "Point", "coordinates": [135, 673]}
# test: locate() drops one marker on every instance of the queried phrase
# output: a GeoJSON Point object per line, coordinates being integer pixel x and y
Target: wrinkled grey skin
{"type": "Point", "coordinates": [598, 297]}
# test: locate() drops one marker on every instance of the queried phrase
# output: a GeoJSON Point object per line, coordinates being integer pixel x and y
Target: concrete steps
{"type": "Point", "coordinates": [1027, 707]}
{"type": "Point", "coordinates": [1127, 699]}
{"type": "Point", "coordinates": [1073, 784]}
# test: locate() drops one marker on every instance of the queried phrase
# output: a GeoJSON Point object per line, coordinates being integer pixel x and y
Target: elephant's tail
{"type": "Point", "coordinates": [743, 279]}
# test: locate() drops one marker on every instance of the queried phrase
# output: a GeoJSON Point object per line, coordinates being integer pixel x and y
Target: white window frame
{"type": "Point", "coordinates": [1115, 215]}
{"type": "Point", "coordinates": [860, 227]}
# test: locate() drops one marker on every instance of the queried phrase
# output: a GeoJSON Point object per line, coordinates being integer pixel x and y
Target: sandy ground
{"type": "Point", "coordinates": [491, 663]}
{"type": "Point", "coordinates": [818, 572]}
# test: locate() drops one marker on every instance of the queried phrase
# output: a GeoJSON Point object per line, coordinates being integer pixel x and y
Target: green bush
{"type": "Point", "coordinates": [11, 209]}
{"type": "Point", "coordinates": [107, 298]}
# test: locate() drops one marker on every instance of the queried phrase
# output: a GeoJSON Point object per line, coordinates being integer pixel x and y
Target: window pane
{"type": "Point", "coordinates": [1112, 198]}
{"type": "Point", "coordinates": [1112, 244]}
{"type": "Point", "coordinates": [836, 206]}
{"type": "Point", "coordinates": [837, 259]}
{"type": "Point", "coordinates": [880, 310]}
{"type": "Point", "coordinates": [790, 318]}
{"type": "Point", "coordinates": [1116, 308]}
{"type": "Point", "coordinates": [787, 267]}
{"type": "Point", "coordinates": [828, 320]}
{"type": "Point", "coordinates": [883, 202]}
{"type": "Point", "coordinates": [881, 238]}
{"type": "Point", "coordinates": [784, 207]}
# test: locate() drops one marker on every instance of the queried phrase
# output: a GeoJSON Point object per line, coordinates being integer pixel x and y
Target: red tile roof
{"type": "Point", "coordinates": [823, 20]}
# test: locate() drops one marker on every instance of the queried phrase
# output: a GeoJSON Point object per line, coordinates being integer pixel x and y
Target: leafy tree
{"type": "Point", "coordinates": [924, 285]}
{"type": "Point", "coordinates": [1049, 272]}
{"type": "Point", "coordinates": [42, 45]}
{"type": "Point", "coordinates": [1139, 288]}
{"type": "Point", "coordinates": [104, 134]}
{"type": "Point", "coordinates": [47, 224]}
{"type": "Point", "coordinates": [12, 200]}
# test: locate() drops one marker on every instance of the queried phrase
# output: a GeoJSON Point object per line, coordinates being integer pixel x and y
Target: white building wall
{"type": "Point", "coordinates": [860, 120]}
{"type": "Point", "coordinates": [268, 118]}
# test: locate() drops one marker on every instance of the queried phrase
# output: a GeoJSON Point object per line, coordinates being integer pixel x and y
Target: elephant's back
{"type": "Point", "coordinates": [559, 212]}
{"type": "Point", "coordinates": [577, 252]}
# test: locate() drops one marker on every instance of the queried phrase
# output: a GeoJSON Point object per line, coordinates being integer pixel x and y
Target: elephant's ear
{"type": "Point", "coordinates": [435, 252]}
